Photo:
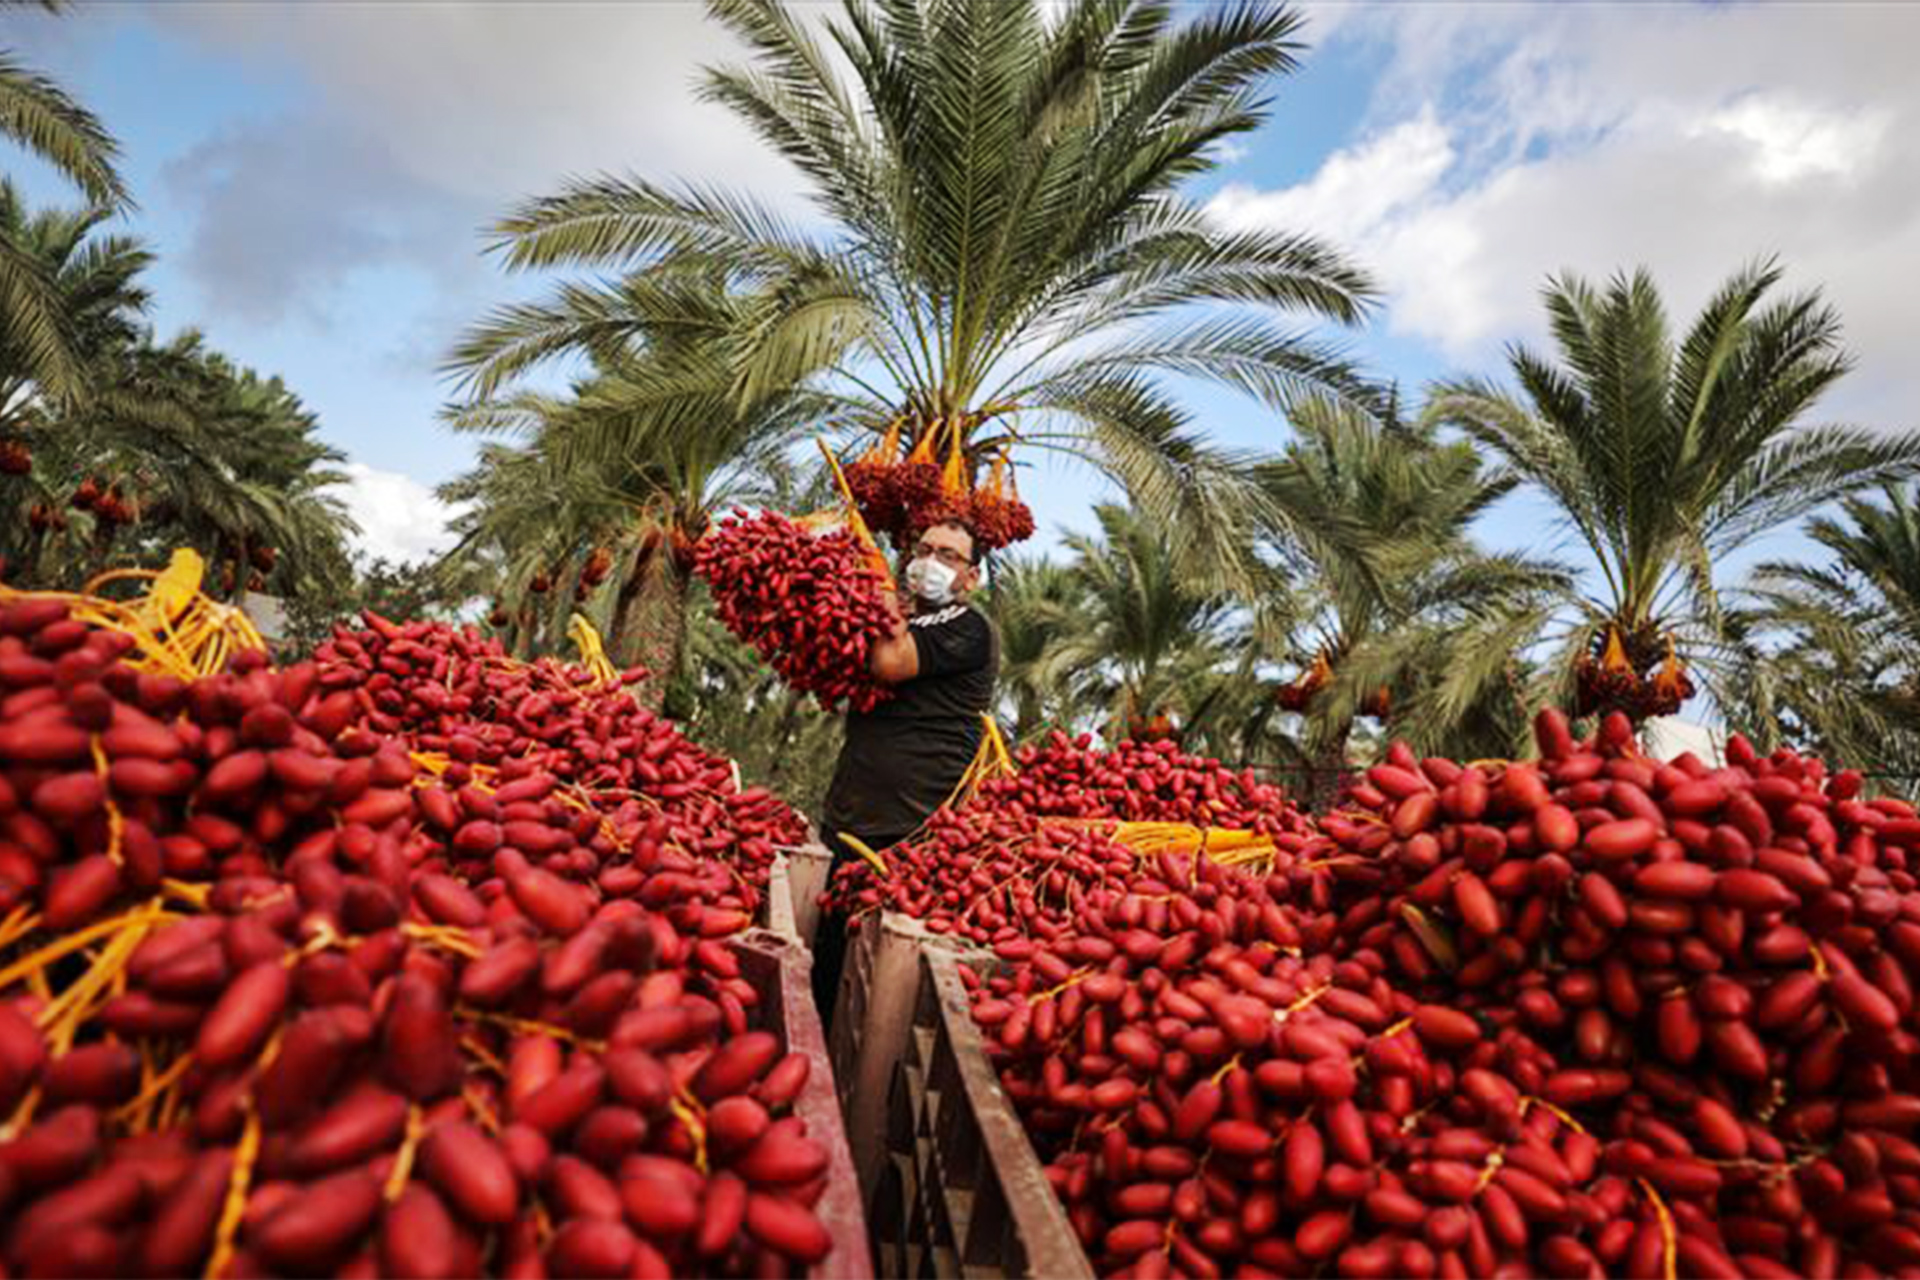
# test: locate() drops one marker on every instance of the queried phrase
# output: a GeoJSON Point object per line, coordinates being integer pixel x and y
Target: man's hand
{"type": "Point", "coordinates": [895, 657]}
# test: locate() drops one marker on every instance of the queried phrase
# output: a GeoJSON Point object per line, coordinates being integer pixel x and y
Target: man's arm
{"type": "Point", "coordinates": [895, 658]}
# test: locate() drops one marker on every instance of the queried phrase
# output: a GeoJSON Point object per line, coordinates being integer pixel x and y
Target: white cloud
{"type": "Point", "coordinates": [400, 520]}
{"type": "Point", "coordinates": [1790, 142]}
{"type": "Point", "coordinates": [1359, 187]}
{"type": "Point", "coordinates": [504, 100]}
{"type": "Point", "coordinates": [1509, 143]}
{"type": "Point", "coordinates": [415, 127]}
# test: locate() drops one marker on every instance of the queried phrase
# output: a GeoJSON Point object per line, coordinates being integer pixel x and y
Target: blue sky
{"type": "Point", "coordinates": [314, 179]}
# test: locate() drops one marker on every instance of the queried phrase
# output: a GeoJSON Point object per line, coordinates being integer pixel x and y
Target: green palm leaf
{"type": "Point", "coordinates": [1004, 247]}
{"type": "Point", "coordinates": [1376, 516]}
{"type": "Point", "coordinates": [40, 116]}
{"type": "Point", "coordinates": [1665, 459]}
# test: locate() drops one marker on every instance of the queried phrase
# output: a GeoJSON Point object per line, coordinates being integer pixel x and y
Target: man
{"type": "Point", "coordinates": [905, 757]}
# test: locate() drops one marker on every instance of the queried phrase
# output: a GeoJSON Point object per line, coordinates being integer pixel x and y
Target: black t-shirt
{"type": "Point", "coordinates": [903, 758]}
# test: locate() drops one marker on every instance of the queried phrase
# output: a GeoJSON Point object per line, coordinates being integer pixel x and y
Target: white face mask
{"type": "Point", "coordinates": [931, 580]}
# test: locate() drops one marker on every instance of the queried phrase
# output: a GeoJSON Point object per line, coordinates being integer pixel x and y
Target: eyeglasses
{"type": "Point", "coordinates": [945, 555]}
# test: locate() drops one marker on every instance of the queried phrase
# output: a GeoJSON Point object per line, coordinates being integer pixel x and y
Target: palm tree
{"type": "Point", "coordinates": [92, 281]}
{"type": "Point", "coordinates": [528, 520]}
{"type": "Point", "coordinates": [272, 502]}
{"type": "Point", "coordinates": [729, 700]}
{"type": "Point", "coordinates": [643, 454]}
{"type": "Point", "coordinates": [1403, 617]}
{"type": "Point", "coordinates": [1007, 260]}
{"type": "Point", "coordinates": [1036, 603]}
{"type": "Point", "coordinates": [38, 115]}
{"type": "Point", "coordinates": [92, 284]}
{"type": "Point", "coordinates": [176, 446]}
{"type": "Point", "coordinates": [1834, 652]}
{"type": "Point", "coordinates": [1239, 721]}
{"type": "Point", "coordinates": [1663, 459]}
{"type": "Point", "coordinates": [1148, 636]}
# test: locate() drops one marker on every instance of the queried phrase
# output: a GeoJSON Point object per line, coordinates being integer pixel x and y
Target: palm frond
{"type": "Point", "coordinates": [42, 117]}
{"type": "Point", "coordinates": [36, 323]}
{"type": "Point", "coordinates": [1802, 473]}
{"type": "Point", "coordinates": [996, 186]}
{"type": "Point", "coordinates": [1207, 499]}
{"type": "Point", "coordinates": [625, 222]}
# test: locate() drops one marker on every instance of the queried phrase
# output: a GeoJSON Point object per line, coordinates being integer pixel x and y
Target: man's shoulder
{"type": "Point", "coordinates": [952, 615]}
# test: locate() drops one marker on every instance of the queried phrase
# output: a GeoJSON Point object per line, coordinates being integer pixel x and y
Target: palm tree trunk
{"type": "Point", "coordinates": [39, 560]}
{"type": "Point", "coordinates": [550, 631]}
{"type": "Point", "coordinates": [242, 566]}
{"type": "Point", "coordinates": [553, 636]}
{"type": "Point", "coordinates": [523, 624]}
{"type": "Point", "coordinates": [1027, 716]}
{"type": "Point", "coordinates": [652, 628]}
{"type": "Point", "coordinates": [24, 546]}
{"type": "Point", "coordinates": [786, 760]}
{"type": "Point", "coordinates": [101, 553]}
{"type": "Point", "coordinates": [539, 625]}
{"type": "Point", "coordinates": [620, 638]}
{"type": "Point", "coordinates": [1328, 768]}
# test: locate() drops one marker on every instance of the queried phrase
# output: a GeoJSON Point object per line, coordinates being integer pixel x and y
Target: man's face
{"type": "Point", "coordinates": [951, 546]}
